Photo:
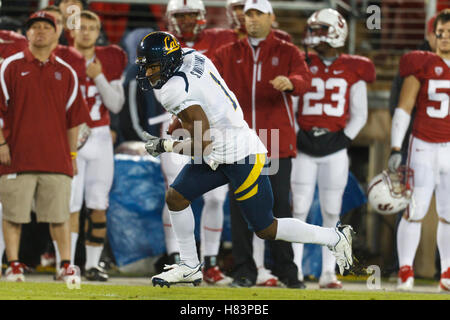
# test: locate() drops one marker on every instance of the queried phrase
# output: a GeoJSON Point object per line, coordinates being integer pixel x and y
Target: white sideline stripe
{"type": "Point", "coordinates": [75, 88]}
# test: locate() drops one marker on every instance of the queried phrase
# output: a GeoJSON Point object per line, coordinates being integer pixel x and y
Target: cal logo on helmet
{"type": "Point", "coordinates": [171, 44]}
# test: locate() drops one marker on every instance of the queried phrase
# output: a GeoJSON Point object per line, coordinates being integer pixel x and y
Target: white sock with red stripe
{"type": "Point", "coordinates": [408, 238]}
{"type": "Point", "coordinates": [183, 225]}
{"type": "Point", "coordinates": [294, 230]}
{"type": "Point", "coordinates": [443, 243]}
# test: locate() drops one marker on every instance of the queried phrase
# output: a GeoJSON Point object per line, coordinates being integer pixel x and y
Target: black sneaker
{"type": "Point", "coordinates": [294, 284]}
{"type": "Point", "coordinates": [242, 283]}
{"type": "Point", "coordinates": [96, 274]}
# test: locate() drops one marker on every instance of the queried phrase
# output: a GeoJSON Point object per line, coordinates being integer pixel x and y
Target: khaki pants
{"type": "Point", "coordinates": [50, 191]}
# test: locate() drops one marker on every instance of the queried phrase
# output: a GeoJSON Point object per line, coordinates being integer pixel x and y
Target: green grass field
{"type": "Point", "coordinates": [58, 291]}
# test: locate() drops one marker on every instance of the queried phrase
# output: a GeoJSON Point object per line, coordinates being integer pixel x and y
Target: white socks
{"type": "Point", "coordinates": [183, 225]}
{"type": "Point", "coordinates": [57, 255]}
{"type": "Point", "coordinates": [93, 254]}
{"type": "Point", "coordinates": [328, 259]}
{"type": "Point", "coordinates": [408, 238]}
{"type": "Point", "coordinates": [169, 235]}
{"type": "Point", "coordinates": [73, 246]}
{"type": "Point", "coordinates": [211, 225]}
{"type": "Point", "coordinates": [259, 246]}
{"type": "Point", "coordinates": [294, 230]}
{"type": "Point", "coordinates": [443, 242]}
{"type": "Point", "coordinates": [298, 247]}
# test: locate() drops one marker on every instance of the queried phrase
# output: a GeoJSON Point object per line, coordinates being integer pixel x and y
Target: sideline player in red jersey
{"type": "Point", "coordinates": [187, 21]}
{"type": "Point", "coordinates": [104, 92]}
{"type": "Point", "coordinates": [330, 116]}
{"type": "Point", "coordinates": [427, 88]}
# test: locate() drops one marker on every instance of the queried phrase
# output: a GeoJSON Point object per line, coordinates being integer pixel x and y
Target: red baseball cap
{"type": "Point", "coordinates": [40, 16]}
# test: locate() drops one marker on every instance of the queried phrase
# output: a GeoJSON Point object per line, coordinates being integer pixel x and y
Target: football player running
{"type": "Point", "coordinates": [104, 93]}
{"type": "Point", "coordinates": [426, 87]}
{"type": "Point", "coordinates": [225, 151]}
{"type": "Point", "coordinates": [329, 116]}
{"type": "Point", "coordinates": [187, 21]}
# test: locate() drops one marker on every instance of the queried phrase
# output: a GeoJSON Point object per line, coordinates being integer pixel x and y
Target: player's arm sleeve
{"type": "Point", "coordinates": [299, 74]}
{"type": "Point", "coordinates": [112, 93]}
{"type": "Point", "coordinates": [358, 109]}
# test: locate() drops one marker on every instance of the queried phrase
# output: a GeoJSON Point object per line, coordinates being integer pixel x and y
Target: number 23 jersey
{"type": "Point", "coordinates": [326, 104]}
{"type": "Point", "coordinates": [432, 119]}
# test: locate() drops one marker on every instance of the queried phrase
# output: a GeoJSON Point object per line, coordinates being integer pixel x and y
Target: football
{"type": "Point", "coordinates": [175, 123]}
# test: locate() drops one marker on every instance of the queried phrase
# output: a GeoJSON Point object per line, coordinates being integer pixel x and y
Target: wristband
{"type": "Point", "coordinates": [168, 145]}
{"type": "Point", "coordinates": [73, 155]}
{"type": "Point", "coordinates": [400, 124]}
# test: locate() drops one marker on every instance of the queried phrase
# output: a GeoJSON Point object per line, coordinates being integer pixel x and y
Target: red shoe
{"type": "Point", "coordinates": [444, 284]}
{"type": "Point", "coordinates": [215, 276]}
{"type": "Point", "coordinates": [328, 280]}
{"type": "Point", "coordinates": [15, 272]}
{"type": "Point", "coordinates": [405, 278]}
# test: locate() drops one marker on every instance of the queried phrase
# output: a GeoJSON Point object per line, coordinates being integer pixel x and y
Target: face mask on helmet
{"type": "Point", "coordinates": [161, 52]}
{"type": "Point", "coordinates": [326, 26]}
{"type": "Point", "coordinates": [391, 192]}
{"type": "Point", "coordinates": [235, 20]}
{"type": "Point", "coordinates": [186, 17]}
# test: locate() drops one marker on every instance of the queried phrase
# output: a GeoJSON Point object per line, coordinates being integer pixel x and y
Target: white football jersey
{"type": "Point", "coordinates": [199, 83]}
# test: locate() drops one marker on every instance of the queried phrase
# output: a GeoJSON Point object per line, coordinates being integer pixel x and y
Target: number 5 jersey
{"type": "Point", "coordinates": [432, 119]}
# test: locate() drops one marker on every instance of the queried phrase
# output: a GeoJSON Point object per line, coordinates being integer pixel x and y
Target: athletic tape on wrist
{"type": "Point", "coordinates": [168, 145]}
{"type": "Point", "coordinates": [400, 124]}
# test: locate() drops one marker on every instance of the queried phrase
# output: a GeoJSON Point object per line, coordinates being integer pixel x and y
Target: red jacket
{"type": "Point", "coordinates": [247, 73]}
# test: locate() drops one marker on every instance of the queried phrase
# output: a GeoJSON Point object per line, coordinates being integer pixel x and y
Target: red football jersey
{"type": "Point", "coordinates": [210, 40]}
{"type": "Point", "coordinates": [10, 43]}
{"type": "Point", "coordinates": [432, 119]}
{"type": "Point", "coordinates": [326, 104]}
{"type": "Point", "coordinates": [114, 61]}
{"type": "Point", "coordinates": [74, 59]}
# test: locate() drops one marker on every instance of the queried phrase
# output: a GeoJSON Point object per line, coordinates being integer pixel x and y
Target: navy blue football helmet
{"type": "Point", "coordinates": [158, 48]}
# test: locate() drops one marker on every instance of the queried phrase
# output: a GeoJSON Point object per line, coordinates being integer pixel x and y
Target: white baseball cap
{"type": "Point", "coordinates": [261, 5]}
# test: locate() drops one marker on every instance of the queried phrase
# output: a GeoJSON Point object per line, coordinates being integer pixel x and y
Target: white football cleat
{"type": "Point", "coordinates": [342, 250]}
{"type": "Point", "coordinates": [179, 273]}
{"type": "Point", "coordinates": [405, 278]}
{"type": "Point", "coordinates": [328, 280]}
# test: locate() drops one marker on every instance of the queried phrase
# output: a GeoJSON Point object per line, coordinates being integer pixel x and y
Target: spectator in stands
{"type": "Point", "coordinates": [263, 71]}
{"type": "Point", "coordinates": [38, 140]}
{"type": "Point", "coordinates": [103, 91]}
{"type": "Point", "coordinates": [330, 116]}
{"type": "Point", "coordinates": [187, 21]}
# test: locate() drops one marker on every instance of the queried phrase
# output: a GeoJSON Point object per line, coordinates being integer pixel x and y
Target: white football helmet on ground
{"type": "Point", "coordinates": [185, 6]}
{"type": "Point", "coordinates": [391, 192]}
{"type": "Point", "coordinates": [326, 25]}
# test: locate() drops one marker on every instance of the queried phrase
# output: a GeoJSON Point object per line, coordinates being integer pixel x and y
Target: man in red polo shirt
{"type": "Point", "coordinates": [42, 105]}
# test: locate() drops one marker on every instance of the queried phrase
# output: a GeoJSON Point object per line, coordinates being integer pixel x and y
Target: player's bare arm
{"type": "Point", "coordinates": [72, 136]}
{"type": "Point", "coordinates": [194, 118]}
